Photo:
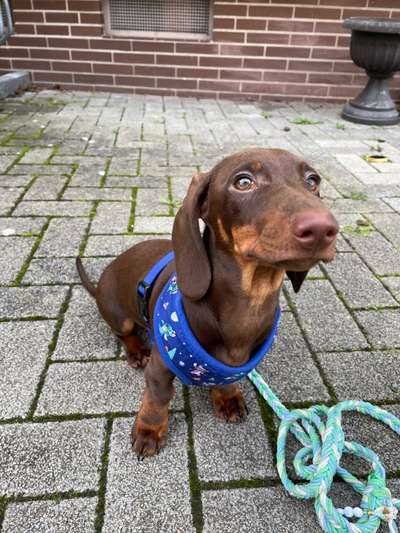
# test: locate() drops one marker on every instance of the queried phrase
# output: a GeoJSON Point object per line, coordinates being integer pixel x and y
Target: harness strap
{"type": "Point", "coordinates": [145, 286]}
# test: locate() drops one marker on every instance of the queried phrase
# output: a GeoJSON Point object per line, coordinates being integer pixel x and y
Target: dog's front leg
{"type": "Point", "coordinates": [149, 433]}
{"type": "Point", "coordinates": [229, 403]}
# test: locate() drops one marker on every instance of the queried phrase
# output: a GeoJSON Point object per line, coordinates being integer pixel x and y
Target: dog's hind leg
{"type": "Point", "coordinates": [137, 347]}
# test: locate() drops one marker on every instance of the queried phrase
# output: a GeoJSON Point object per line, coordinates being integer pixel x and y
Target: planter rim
{"type": "Point", "coordinates": [373, 25]}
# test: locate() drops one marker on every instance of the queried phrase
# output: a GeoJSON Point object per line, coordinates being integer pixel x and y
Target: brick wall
{"type": "Point", "coordinates": [259, 50]}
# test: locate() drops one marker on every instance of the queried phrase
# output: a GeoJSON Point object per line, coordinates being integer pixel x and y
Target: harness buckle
{"type": "Point", "coordinates": [144, 292]}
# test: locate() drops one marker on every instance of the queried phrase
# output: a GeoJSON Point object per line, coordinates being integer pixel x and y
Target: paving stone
{"type": "Point", "coordinates": [14, 181]}
{"type": "Point", "coordinates": [263, 510]}
{"type": "Point", "coordinates": [16, 302]}
{"type": "Point", "coordinates": [36, 156]}
{"type": "Point", "coordinates": [328, 325]}
{"type": "Point", "coordinates": [153, 224]}
{"type": "Point", "coordinates": [52, 208]}
{"type": "Point", "coordinates": [22, 226]}
{"type": "Point", "coordinates": [146, 181]}
{"type": "Point", "coordinates": [13, 253]}
{"type": "Point", "coordinates": [46, 188]}
{"type": "Point", "coordinates": [50, 457]}
{"type": "Point", "coordinates": [123, 167]}
{"type": "Point", "coordinates": [393, 284]}
{"type": "Point", "coordinates": [110, 245]}
{"type": "Point", "coordinates": [85, 337]}
{"type": "Point", "coordinates": [289, 368]}
{"type": "Point", "coordinates": [381, 327]}
{"type": "Point", "coordinates": [152, 202]}
{"type": "Point", "coordinates": [236, 456]}
{"type": "Point", "coordinates": [379, 254]}
{"type": "Point", "coordinates": [358, 286]}
{"type": "Point", "coordinates": [378, 178]}
{"type": "Point", "coordinates": [111, 217]}
{"type": "Point", "coordinates": [55, 243]}
{"type": "Point", "coordinates": [393, 202]}
{"type": "Point", "coordinates": [96, 193]}
{"type": "Point", "coordinates": [66, 516]}
{"type": "Point", "coordinates": [346, 205]}
{"type": "Point", "coordinates": [388, 224]}
{"type": "Point", "coordinates": [49, 271]}
{"type": "Point", "coordinates": [98, 387]}
{"type": "Point", "coordinates": [24, 348]}
{"type": "Point", "coordinates": [370, 376]}
{"type": "Point", "coordinates": [151, 495]}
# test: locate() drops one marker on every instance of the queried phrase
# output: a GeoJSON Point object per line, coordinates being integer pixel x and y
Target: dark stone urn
{"type": "Point", "coordinates": [375, 47]}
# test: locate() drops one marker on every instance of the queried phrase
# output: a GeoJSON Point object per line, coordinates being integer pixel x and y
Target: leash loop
{"type": "Point", "coordinates": [319, 430]}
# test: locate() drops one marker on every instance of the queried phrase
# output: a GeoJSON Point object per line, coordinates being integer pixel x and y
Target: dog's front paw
{"type": "Point", "coordinates": [231, 406]}
{"type": "Point", "coordinates": [148, 439]}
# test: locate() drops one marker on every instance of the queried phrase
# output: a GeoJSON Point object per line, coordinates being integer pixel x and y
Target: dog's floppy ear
{"type": "Point", "coordinates": [192, 264]}
{"type": "Point", "coordinates": [297, 279]}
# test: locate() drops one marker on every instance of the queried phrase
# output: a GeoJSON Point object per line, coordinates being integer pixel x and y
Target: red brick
{"type": "Point", "coordinates": [228, 36]}
{"type": "Point", "coordinates": [243, 50]}
{"type": "Point", "coordinates": [347, 92]}
{"type": "Point", "coordinates": [196, 48]}
{"type": "Point", "coordinates": [384, 3]}
{"type": "Point", "coordinates": [84, 5]}
{"type": "Point", "coordinates": [279, 64]}
{"type": "Point", "coordinates": [241, 74]}
{"type": "Point", "coordinates": [251, 24]}
{"type": "Point", "coordinates": [52, 29]}
{"type": "Point", "coordinates": [218, 85]}
{"type": "Point", "coordinates": [223, 23]}
{"type": "Point", "coordinates": [230, 10]}
{"type": "Point", "coordinates": [262, 88]}
{"type": "Point", "coordinates": [318, 66]}
{"type": "Point", "coordinates": [344, 3]}
{"type": "Point", "coordinates": [91, 18]}
{"type": "Point", "coordinates": [317, 13]}
{"type": "Point", "coordinates": [90, 55]}
{"type": "Point", "coordinates": [176, 83]}
{"type": "Point", "coordinates": [27, 29]}
{"type": "Point", "coordinates": [287, 51]}
{"type": "Point", "coordinates": [313, 90]}
{"type": "Point", "coordinates": [331, 79]}
{"type": "Point", "coordinates": [152, 46]}
{"type": "Point", "coordinates": [112, 68]}
{"type": "Point", "coordinates": [68, 43]}
{"type": "Point", "coordinates": [21, 4]}
{"type": "Point", "coordinates": [270, 11]}
{"type": "Point", "coordinates": [13, 52]}
{"type": "Point", "coordinates": [197, 73]}
{"type": "Point", "coordinates": [329, 27]}
{"type": "Point", "coordinates": [133, 58]}
{"type": "Point", "coordinates": [55, 5]}
{"type": "Point", "coordinates": [290, 25]}
{"type": "Point", "coordinates": [63, 16]}
{"type": "Point", "coordinates": [176, 60]}
{"type": "Point", "coordinates": [5, 64]}
{"type": "Point", "coordinates": [135, 81]}
{"type": "Point", "coordinates": [347, 13]}
{"type": "Point", "coordinates": [331, 53]}
{"type": "Point", "coordinates": [52, 76]}
{"type": "Point", "coordinates": [110, 44]}
{"type": "Point", "coordinates": [313, 40]}
{"type": "Point", "coordinates": [294, 77]}
{"type": "Point", "coordinates": [90, 31]}
{"type": "Point", "coordinates": [268, 38]}
{"type": "Point", "coordinates": [154, 71]}
{"type": "Point", "coordinates": [28, 16]}
{"type": "Point", "coordinates": [343, 41]}
{"type": "Point", "coordinates": [31, 64]}
{"type": "Point", "coordinates": [71, 66]}
{"type": "Point", "coordinates": [49, 53]}
{"type": "Point", "coordinates": [16, 40]}
{"type": "Point", "coordinates": [100, 79]}
{"type": "Point", "coordinates": [346, 66]}
{"type": "Point", "coordinates": [218, 61]}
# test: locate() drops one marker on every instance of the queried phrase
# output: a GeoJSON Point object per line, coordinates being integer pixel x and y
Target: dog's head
{"type": "Point", "coordinates": [262, 206]}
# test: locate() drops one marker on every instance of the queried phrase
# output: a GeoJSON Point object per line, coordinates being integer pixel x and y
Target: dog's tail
{"type": "Point", "coordinates": [84, 278]}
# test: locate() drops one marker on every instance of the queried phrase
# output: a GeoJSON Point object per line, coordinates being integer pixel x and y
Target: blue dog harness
{"type": "Point", "coordinates": [179, 348]}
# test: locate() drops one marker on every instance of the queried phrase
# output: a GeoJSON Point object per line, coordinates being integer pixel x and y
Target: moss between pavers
{"type": "Point", "coordinates": [100, 509]}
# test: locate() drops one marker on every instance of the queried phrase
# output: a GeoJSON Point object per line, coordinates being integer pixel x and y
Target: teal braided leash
{"type": "Point", "coordinates": [319, 430]}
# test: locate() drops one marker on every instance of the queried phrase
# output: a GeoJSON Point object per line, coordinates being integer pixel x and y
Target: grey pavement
{"type": "Point", "coordinates": [67, 396]}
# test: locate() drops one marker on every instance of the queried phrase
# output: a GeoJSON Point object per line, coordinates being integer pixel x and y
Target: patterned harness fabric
{"type": "Point", "coordinates": [182, 352]}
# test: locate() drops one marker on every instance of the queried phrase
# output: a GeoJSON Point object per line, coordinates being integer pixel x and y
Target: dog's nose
{"type": "Point", "coordinates": [315, 229]}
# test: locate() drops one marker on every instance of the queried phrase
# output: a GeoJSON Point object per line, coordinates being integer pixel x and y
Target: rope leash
{"type": "Point", "coordinates": [319, 430]}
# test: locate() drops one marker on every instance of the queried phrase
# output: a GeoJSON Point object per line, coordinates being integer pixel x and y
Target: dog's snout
{"type": "Point", "coordinates": [315, 230]}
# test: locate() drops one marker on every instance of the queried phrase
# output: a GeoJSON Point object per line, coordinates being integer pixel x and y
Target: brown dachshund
{"type": "Point", "coordinates": [263, 218]}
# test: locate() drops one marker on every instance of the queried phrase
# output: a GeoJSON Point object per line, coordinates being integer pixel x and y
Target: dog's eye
{"type": "Point", "coordinates": [244, 183]}
{"type": "Point", "coordinates": [312, 181]}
